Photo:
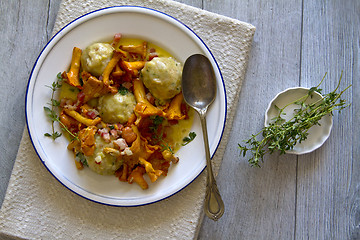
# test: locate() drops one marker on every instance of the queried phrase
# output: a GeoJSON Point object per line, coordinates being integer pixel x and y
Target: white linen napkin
{"type": "Point", "coordinates": [37, 206]}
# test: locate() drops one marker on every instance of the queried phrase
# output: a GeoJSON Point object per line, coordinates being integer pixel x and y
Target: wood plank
{"type": "Point", "coordinates": [25, 30]}
{"type": "Point", "coordinates": [260, 203]}
{"type": "Point", "coordinates": [194, 3]}
{"type": "Point", "coordinates": [328, 196]}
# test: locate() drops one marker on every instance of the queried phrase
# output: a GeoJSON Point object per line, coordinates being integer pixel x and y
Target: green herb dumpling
{"type": "Point", "coordinates": [95, 58]}
{"type": "Point", "coordinates": [162, 76]}
{"type": "Point", "coordinates": [116, 108]}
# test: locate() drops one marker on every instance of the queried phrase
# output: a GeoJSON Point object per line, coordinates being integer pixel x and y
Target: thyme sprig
{"type": "Point", "coordinates": [157, 121]}
{"type": "Point", "coordinates": [282, 135]}
{"type": "Point", "coordinates": [188, 139]}
{"type": "Point", "coordinates": [51, 112]}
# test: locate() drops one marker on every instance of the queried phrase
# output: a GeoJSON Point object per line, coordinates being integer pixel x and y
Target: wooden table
{"type": "Point", "coordinates": [312, 196]}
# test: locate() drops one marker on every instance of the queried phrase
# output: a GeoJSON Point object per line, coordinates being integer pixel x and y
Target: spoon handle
{"type": "Point", "coordinates": [214, 205]}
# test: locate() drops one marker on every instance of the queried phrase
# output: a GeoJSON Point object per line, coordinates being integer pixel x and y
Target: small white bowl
{"type": "Point", "coordinates": [317, 134]}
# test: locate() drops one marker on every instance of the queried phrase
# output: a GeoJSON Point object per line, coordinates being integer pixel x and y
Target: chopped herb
{"type": "Point", "coordinates": [53, 135]}
{"type": "Point", "coordinates": [55, 103]}
{"type": "Point", "coordinates": [157, 121]}
{"type": "Point", "coordinates": [123, 90]}
{"type": "Point", "coordinates": [166, 146]}
{"type": "Point", "coordinates": [59, 77]}
{"type": "Point", "coordinates": [81, 158]}
{"type": "Point", "coordinates": [51, 113]}
{"type": "Point", "coordinates": [189, 138]}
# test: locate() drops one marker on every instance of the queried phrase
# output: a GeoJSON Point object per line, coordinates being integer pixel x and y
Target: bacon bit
{"type": "Point", "coordinates": [98, 160]}
{"type": "Point", "coordinates": [81, 97]}
{"type": "Point", "coordinates": [152, 55]}
{"type": "Point", "coordinates": [91, 114]}
{"type": "Point", "coordinates": [103, 130]}
{"type": "Point", "coordinates": [120, 144]}
{"type": "Point", "coordinates": [127, 85]}
{"type": "Point", "coordinates": [106, 137]}
{"type": "Point", "coordinates": [104, 133]}
{"type": "Point", "coordinates": [150, 98]}
{"type": "Point", "coordinates": [114, 133]}
{"type": "Point", "coordinates": [118, 126]}
{"type": "Point", "coordinates": [116, 40]}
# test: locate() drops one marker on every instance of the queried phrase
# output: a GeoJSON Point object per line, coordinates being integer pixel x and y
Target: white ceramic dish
{"type": "Point", "coordinates": [153, 26]}
{"type": "Point", "coordinates": [317, 134]}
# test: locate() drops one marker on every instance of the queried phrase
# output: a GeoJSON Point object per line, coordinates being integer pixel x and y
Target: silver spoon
{"type": "Point", "coordinates": [199, 90]}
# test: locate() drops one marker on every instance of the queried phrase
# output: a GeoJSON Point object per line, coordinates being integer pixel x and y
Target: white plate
{"type": "Point", "coordinates": [153, 26]}
{"type": "Point", "coordinates": [317, 134]}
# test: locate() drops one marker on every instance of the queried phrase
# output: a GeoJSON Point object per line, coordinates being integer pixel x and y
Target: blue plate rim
{"type": "Point", "coordinates": [64, 28]}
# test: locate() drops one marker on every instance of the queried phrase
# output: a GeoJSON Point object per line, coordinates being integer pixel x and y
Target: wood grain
{"type": "Point", "coordinates": [25, 28]}
{"type": "Point", "coordinates": [328, 180]}
{"type": "Point", "coordinates": [260, 202]}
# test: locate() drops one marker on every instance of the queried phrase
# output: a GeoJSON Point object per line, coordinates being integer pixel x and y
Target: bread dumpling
{"type": "Point", "coordinates": [162, 76]}
{"type": "Point", "coordinates": [95, 58]}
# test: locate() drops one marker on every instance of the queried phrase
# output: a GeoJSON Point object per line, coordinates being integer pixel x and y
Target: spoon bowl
{"type": "Point", "coordinates": [199, 90]}
{"type": "Point", "coordinates": [198, 80]}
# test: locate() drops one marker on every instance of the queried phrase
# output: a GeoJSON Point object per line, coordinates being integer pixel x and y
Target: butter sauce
{"type": "Point", "coordinates": [174, 132]}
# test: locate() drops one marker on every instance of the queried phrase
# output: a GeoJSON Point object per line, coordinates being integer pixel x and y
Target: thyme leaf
{"type": "Point", "coordinates": [51, 113]}
{"type": "Point", "coordinates": [157, 121]}
{"type": "Point", "coordinates": [283, 135]}
{"type": "Point", "coordinates": [189, 138]}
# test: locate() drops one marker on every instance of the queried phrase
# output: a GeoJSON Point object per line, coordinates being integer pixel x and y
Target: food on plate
{"type": "Point", "coordinates": [120, 118]}
{"type": "Point", "coordinates": [95, 58]}
{"type": "Point", "coordinates": [162, 76]}
{"type": "Point", "coordinates": [116, 107]}
{"type": "Point", "coordinates": [100, 161]}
